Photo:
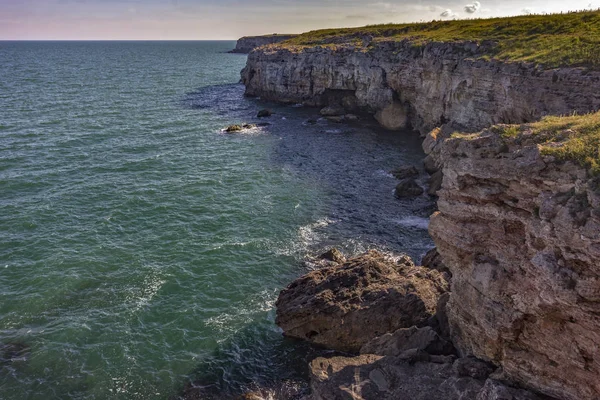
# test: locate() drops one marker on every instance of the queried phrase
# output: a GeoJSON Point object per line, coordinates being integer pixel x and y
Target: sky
{"type": "Point", "coordinates": [231, 19]}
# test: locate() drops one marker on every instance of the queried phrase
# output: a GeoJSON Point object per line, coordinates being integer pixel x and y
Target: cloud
{"type": "Point", "coordinates": [446, 13]}
{"type": "Point", "coordinates": [527, 11]}
{"type": "Point", "coordinates": [473, 7]}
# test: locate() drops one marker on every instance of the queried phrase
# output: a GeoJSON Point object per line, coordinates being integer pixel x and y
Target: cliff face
{"type": "Point", "coordinates": [430, 84]}
{"type": "Point", "coordinates": [248, 43]}
{"type": "Point", "coordinates": [521, 234]}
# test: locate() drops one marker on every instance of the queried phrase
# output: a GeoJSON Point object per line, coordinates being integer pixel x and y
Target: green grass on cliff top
{"type": "Point", "coordinates": [554, 40]}
{"type": "Point", "coordinates": [575, 138]}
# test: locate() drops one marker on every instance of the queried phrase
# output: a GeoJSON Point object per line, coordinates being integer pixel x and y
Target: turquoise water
{"type": "Point", "coordinates": [140, 247]}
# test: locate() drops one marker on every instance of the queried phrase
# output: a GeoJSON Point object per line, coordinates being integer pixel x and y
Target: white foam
{"type": "Point", "coordinates": [383, 173]}
{"type": "Point", "coordinates": [414, 222]}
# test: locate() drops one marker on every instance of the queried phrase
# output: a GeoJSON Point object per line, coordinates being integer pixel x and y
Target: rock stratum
{"type": "Point", "coordinates": [246, 44]}
{"type": "Point", "coordinates": [423, 86]}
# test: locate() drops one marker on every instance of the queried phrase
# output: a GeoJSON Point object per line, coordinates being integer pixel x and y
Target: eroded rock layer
{"type": "Point", "coordinates": [424, 86]}
{"type": "Point", "coordinates": [520, 233]}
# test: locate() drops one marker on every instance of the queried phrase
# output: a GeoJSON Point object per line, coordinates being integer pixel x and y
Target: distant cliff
{"type": "Point", "coordinates": [248, 43]}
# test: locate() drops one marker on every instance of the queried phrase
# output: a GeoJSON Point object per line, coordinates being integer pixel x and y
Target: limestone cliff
{"type": "Point", "coordinates": [430, 84]}
{"type": "Point", "coordinates": [246, 44]}
{"type": "Point", "coordinates": [520, 232]}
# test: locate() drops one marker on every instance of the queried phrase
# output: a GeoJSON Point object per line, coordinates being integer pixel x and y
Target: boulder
{"type": "Point", "coordinates": [408, 188]}
{"type": "Point", "coordinates": [405, 172]}
{"type": "Point", "coordinates": [342, 307]}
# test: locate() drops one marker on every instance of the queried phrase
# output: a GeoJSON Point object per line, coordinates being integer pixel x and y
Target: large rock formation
{"type": "Point", "coordinates": [246, 44]}
{"type": "Point", "coordinates": [424, 86]}
{"type": "Point", "coordinates": [520, 232]}
{"type": "Point", "coordinates": [344, 306]}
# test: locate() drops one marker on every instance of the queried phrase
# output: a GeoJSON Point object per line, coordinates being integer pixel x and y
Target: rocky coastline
{"type": "Point", "coordinates": [508, 307]}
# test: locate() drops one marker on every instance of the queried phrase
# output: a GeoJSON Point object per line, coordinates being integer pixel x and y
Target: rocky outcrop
{"type": "Point", "coordinates": [520, 233]}
{"type": "Point", "coordinates": [344, 306]}
{"type": "Point", "coordinates": [248, 43]}
{"type": "Point", "coordinates": [423, 86]}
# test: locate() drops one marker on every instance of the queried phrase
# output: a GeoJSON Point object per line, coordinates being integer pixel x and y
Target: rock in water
{"type": "Point", "coordinates": [342, 307]}
{"type": "Point", "coordinates": [264, 113]}
{"type": "Point", "coordinates": [233, 128]}
{"type": "Point", "coordinates": [408, 188]}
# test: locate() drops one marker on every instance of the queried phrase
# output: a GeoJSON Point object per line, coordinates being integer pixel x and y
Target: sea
{"type": "Point", "coordinates": [142, 249]}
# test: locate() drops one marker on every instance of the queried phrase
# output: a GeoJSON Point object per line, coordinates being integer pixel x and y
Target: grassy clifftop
{"type": "Point", "coordinates": [553, 40]}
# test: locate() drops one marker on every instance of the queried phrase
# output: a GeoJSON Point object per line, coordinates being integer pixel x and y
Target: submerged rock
{"type": "Point", "coordinates": [264, 113]}
{"type": "Point", "coordinates": [342, 307]}
{"type": "Point", "coordinates": [408, 188]}
{"type": "Point", "coordinates": [405, 172]}
{"type": "Point", "coordinates": [13, 352]}
{"type": "Point", "coordinates": [333, 111]}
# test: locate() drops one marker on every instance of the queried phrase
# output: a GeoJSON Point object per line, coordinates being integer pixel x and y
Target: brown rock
{"type": "Point", "coordinates": [344, 306]}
